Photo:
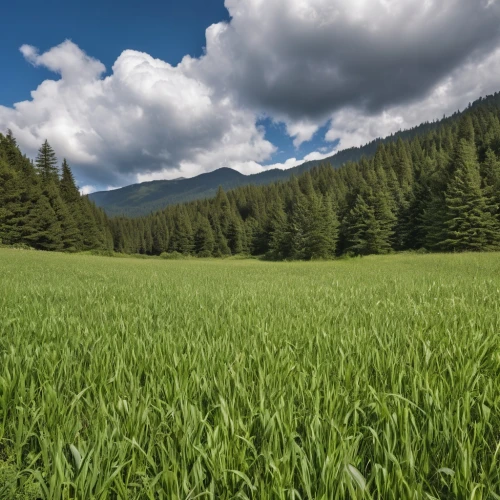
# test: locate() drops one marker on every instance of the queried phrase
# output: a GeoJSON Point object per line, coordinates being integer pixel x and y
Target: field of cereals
{"type": "Point", "coordinates": [149, 379]}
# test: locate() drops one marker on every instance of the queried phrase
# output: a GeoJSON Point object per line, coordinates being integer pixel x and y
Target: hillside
{"type": "Point", "coordinates": [431, 191]}
{"type": "Point", "coordinates": [142, 199]}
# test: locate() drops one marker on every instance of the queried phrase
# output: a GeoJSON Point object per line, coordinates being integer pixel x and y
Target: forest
{"type": "Point", "coordinates": [437, 191]}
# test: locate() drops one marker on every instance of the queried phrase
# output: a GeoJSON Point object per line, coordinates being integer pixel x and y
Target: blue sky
{"type": "Point", "coordinates": [165, 29]}
{"type": "Point", "coordinates": [135, 91]}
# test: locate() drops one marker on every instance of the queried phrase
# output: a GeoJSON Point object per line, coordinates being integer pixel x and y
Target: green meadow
{"type": "Point", "coordinates": [375, 377]}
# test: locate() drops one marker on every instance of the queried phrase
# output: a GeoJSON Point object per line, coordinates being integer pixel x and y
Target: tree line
{"type": "Point", "coordinates": [439, 191]}
{"type": "Point", "coordinates": [41, 207]}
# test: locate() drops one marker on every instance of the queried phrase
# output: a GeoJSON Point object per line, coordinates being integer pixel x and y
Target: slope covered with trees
{"type": "Point", "coordinates": [438, 190]}
{"type": "Point", "coordinates": [40, 205]}
{"type": "Point", "coordinates": [436, 187]}
{"type": "Point", "coordinates": [142, 199]}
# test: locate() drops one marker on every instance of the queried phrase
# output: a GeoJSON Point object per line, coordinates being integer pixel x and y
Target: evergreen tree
{"type": "Point", "coordinates": [369, 227]}
{"type": "Point", "coordinates": [67, 186]}
{"type": "Point", "coordinates": [235, 235]}
{"type": "Point", "coordinates": [43, 229]}
{"type": "Point", "coordinates": [204, 239]}
{"type": "Point", "coordinates": [278, 241]}
{"type": "Point", "coordinates": [183, 238]}
{"type": "Point", "coordinates": [490, 174]}
{"type": "Point", "coordinates": [435, 186]}
{"type": "Point", "coordinates": [298, 226]}
{"type": "Point", "coordinates": [69, 232]}
{"type": "Point", "coordinates": [469, 223]}
{"type": "Point", "coordinates": [159, 233]}
{"type": "Point", "coordinates": [386, 220]}
{"type": "Point", "coordinates": [322, 230]}
{"type": "Point", "coordinates": [88, 226]}
{"type": "Point", "coordinates": [361, 229]}
{"type": "Point", "coordinates": [46, 163]}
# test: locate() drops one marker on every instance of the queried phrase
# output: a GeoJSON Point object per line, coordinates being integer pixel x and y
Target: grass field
{"type": "Point", "coordinates": [366, 378]}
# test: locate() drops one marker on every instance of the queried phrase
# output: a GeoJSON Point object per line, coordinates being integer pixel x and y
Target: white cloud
{"type": "Point", "coordinates": [294, 162]}
{"type": "Point", "coordinates": [300, 61]}
{"type": "Point", "coordinates": [87, 189]}
{"type": "Point", "coordinates": [146, 119]}
{"type": "Point", "coordinates": [476, 78]}
{"type": "Point", "coordinates": [66, 59]}
{"type": "Point", "coordinates": [301, 131]}
{"type": "Point", "coordinates": [367, 67]}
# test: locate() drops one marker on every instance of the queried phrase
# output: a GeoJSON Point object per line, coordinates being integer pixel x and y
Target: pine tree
{"type": "Point", "coordinates": [433, 222]}
{"type": "Point", "coordinates": [43, 229]}
{"type": "Point", "coordinates": [251, 227]}
{"type": "Point", "coordinates": [88, 225]}
{"type": "Point", "coordinates": [328, 214]}
{"type": "Point", "coordinates": [159, 232]}
{"type": "Point", "coordinates": [46, 163]}
{"type": "Point", "coordinates": [369, 226]}
{"type": "Point", "coordinates": [235, 235]}
{"type": "Point", "coordinates": [70, 234]}
{"type": "Point", "coordinates": [469, 224]}
{"type": "Point", "coordinates": [222, 210]}
{"type": "Point", "coordinates": [490, 183]}
{"type": "Point", "coordinates": [322, 230]}
{"type": "Point", "coordinates": [67, 186]}
{"type": "Point", "coordinates": [221, 248]}
{"type": "Point", "coordinates": [183, 238]}
{"type": "Point", "coordinates": [10, 200]}
{"type": "Point", "coordinates": [361, 225]}
{"type": "Point", "coordinates": [278, 242]}
{"type": "Point", "coordinates": [298, 225]}
{"type": "Point", "coordinates": [204, 239]}
{"type": "Point", "coordinates": [380, 200]}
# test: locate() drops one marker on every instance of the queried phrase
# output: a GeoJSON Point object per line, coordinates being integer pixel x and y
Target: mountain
{"type": "Point", "coordinates": [142, 199]}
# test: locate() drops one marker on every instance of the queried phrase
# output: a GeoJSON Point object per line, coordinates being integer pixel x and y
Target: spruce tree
{"type": "Point", "coordinates": [328, 214]}
{"type": "Point", "coordinates": [490, 182]}
{"type": "Point", "coordinates": [235, 235]}
{"type": "Point", "coordinates": [159, 232]}
{"type": "Point", "coordinates": [370, 225]}
{"type": "Point", "coordinates": [380, 200]}
{"type": "Point", "coordinates": [183, 234]}
{"type": "Point", "coordinates": [298, 226]}
{"type": "Point", "coordinates": [46, 163]}
{"type": "Point", "coordinates": [278, 238]}
{"type": "Point", "coordinates": [67, 186]}
{"type": "Point", "coordinates": [10, 193]}
{"type": "Point", "coordinates": [204, 239]}
{"type": "Point", "coordinates": [361, 229]}
{"type": "Point", "coordinates": [470, 226]}
{"type": "Point", "coordinates": [322, 229]}
{"type": "Point", "coordinates": [70, 235]}
{"type": "Point", "coordinates": [43, 229]}
{"type": "Point", "coordinates": [251, 227]}
{"type": "Point", "coordinates": [88, 225]}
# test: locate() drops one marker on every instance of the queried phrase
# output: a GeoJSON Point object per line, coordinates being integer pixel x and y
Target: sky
{"type": "Point", "coordinates": [135, 91]}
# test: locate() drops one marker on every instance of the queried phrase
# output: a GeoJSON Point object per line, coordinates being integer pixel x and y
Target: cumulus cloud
{"type": "Point", "coordinates": [476, 78]}
{"type": "Point", "coordinates": [147, 118]}
{"type": "Point", "coordinates": [304, 59]}
{"type": "Point", "coordinates": [66, 59]}
{"type": "Point", "coordinates": [368, 68]}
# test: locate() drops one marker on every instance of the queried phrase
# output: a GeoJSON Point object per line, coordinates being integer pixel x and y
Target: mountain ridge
{"type": "Point", "coordinates": [142, 199]}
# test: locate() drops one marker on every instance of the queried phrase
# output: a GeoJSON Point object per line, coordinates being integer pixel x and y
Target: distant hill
{"type": "Point", "coordinates": [142, 199]}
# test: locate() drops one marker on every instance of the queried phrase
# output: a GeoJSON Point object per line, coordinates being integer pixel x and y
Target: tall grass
{"type": "Point", "coordinates": [365, 378]}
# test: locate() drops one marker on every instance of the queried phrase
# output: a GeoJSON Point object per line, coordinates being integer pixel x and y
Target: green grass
{"type": "Point", "coordinates": [366, 378]}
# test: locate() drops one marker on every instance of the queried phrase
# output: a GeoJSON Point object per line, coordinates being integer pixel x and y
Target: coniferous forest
{"type": "Point", "coordinates": [41, 207]}
{"type": "Point", "coordinates": [438, 191]}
